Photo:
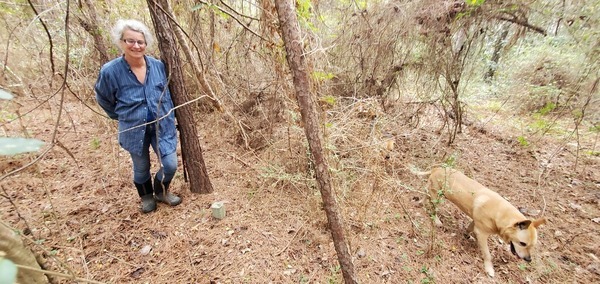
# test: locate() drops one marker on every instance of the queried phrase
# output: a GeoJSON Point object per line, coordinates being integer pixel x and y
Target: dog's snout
{"type": "Point", "coordinates": [527, 258]}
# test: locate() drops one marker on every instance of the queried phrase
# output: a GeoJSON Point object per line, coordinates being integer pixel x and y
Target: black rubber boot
{"type": "Point", "coordinates": [162, 194]}
{"type": "Point", "coordinates": [145, 192]}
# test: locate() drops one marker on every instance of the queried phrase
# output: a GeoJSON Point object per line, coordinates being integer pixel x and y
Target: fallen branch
{"type": "Point", "coordinates": [290, 242]}
{"type": "Point", "coordinates": [57, 274]}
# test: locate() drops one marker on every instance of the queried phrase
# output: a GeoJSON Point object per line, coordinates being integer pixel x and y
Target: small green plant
{"type": "Point", "coordinates": [439, 198]}
{"type": "Point", "coordinates": [494, 106]}
{"type": "Point", "coordinates": [330, 100]}
{"type": "Point", "coordinates": [523, 266]}
{"type": "Point", "coordinates": [540, 124]}
{"type": "Point", "coordinates": [523, 141]}
{"type": "Point", "coordinates": [593, 153]}
{"type": "Point", "coordinates": [322, 76]}
{"type": "Point", "coordinates": [401, 240]}
{"type": "Point", "coordinates": [334, 271]}
{"type": "Point", "coordinates": [551, 267]}
{"type": "Point", "coordinates": [114, 51]}
{"type": "Point", "coordinates": [475, 3]}
{"type": "Point", "coordinates": [549, 107]}
{"type": "Point", "coordinates": [450, 162]}
{"type": "Point", "coordinates": [428, 276]}
{"type": "Point", "coordinates": [304, 12]}
{"type": "Point", "coordinates": [6, 116]}
{"type": "Point", "coordinates": [361, 4]}
{"type": "Point", "coordinates": [251, 194]}
{"type": "Point", "coordinates": [303, 279]}
{"type": "Point", "coordinates": [95, 143]}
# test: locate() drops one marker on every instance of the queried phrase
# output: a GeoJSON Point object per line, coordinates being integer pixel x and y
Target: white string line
{"type": "Point", "coordinates": [162, 117]}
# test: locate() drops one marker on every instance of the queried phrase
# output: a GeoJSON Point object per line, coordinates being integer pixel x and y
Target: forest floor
{"type": "Point", "coordinates": [78, 209]}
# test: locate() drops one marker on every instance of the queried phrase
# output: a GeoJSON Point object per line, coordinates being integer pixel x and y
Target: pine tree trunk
{"type": "Point", "coordinates": [193, 161]}
{"type": "Point", "coordinates": [291, 36]}
{"type": "Point", "coordinates": [90, 25]}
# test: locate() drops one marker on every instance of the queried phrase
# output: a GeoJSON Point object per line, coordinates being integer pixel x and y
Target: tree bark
{"type": "Point", "coordinates": [293, 45]}
{"type": "Point", "coordinates": [198, 72]}
{"type": "Point", "coordinates": [498, 45]}
{"type": "Point", "coordinates": [193, 161]}
{"type": "Point", "coordinates": [90, 25]}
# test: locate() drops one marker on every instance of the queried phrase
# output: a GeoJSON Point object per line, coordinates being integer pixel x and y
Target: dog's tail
{"type": "Point", "coordinates": [415, 171]}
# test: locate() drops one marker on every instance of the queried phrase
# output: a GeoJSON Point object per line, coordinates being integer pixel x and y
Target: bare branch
{"type": "Point", "coordinates": [522, 22]}
{"type": "Point", "coordinates": [47, 33]}
{"type": "Point", "coordinates": [236, 19]}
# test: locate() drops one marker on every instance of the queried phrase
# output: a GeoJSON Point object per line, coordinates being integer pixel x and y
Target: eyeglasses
{"type": "Point", "coordinates": [132, 42]}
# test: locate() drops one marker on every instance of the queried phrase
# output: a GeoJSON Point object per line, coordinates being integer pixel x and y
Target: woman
{"type": "Point", "coordinates": [133, 90]}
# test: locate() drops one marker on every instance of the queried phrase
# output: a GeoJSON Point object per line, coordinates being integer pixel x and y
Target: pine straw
{"type": "Point", "coordinates": [85, 219]}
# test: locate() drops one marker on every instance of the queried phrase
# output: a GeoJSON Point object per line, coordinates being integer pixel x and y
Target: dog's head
{"type": "Point", "coordinates": [522, 237]}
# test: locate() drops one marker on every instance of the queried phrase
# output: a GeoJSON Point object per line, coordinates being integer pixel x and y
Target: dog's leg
{"type": "Point", "coordinates": [482, 241]}
{"type": "Point", "coordinates": [470, 230]}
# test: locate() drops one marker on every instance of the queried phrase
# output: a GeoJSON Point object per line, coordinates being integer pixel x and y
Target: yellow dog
{"type": "Point", "coordinates": [490, 212]}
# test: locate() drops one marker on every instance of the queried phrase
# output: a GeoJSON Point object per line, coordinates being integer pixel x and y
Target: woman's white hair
{"type": "Point", "coordinates": [133, 25]}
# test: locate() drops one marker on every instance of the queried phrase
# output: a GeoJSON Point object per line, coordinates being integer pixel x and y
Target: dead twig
{"type": "Point", "coordinates": [412, 221]}
{"type": "Point", "coordinates": [290, 242]}
{"type": "Point", "coordinates": [235, 18]}
{"type": "Point", "coordinates": [121, 260]}
{"type": "Point", "coordinates": [570, 241]}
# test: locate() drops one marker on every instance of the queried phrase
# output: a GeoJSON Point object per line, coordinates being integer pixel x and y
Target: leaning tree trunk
{"type": "Point", "coordinates": [12, 245]}
{"type": "Point", "coordinates": [193, 162]}
{"type": "Point", "coordinates": [293, 45]}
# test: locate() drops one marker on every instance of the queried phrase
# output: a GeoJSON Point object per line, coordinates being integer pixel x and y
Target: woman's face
{"type": "Point", "coordinates": [133, 44]}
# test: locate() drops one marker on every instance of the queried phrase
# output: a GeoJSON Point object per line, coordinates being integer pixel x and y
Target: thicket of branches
{"type": "Point", "coordinates": [430, 52]}
{"type": "Point", "coordinates": [373, 60]}
{"type": "Point", "coordinates": [379, 61]}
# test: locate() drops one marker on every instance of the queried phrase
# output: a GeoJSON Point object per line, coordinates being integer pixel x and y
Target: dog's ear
{"type": "Point", "coordinates": [539, 222]}
{"type": "Point", "coordinates": [523, 225]}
